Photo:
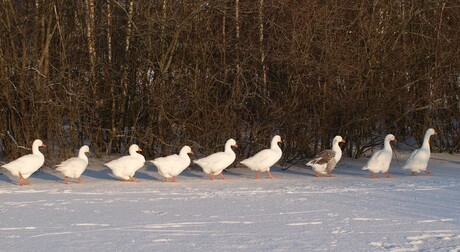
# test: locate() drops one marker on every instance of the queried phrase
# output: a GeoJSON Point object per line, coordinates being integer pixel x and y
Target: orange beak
{"type": "Point", "coordinates": [139, 149]}
{"type": "Point", "coordinates": [236, 145]}
{"type": "Point", "coordinates": [343, 141]}
{"type": "Point", "coordinates": [396, 140]}
{"type": "Point", "coordinates": [43, 145]}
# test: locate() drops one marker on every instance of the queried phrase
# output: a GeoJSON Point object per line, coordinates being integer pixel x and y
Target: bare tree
{"type": "Point", "coordinates": [168, 73]}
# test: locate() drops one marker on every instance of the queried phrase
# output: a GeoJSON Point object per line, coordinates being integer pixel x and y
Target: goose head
{"type": "Point", "coordinates": [38, 143]}
{"type": "Point", "coordinates": [391, 137]}
{"type": "Point", "coordinates": [133, 149]}
{"type": "Point", "coordinates": [277, 139]}
{"type": "Point", "coordinates": [185, 151]}
{"type": "Point", "coordinates": [338, 139]}
{"type": "Point", "coordinates": [231, 142]}
{"type": "Point", "coordinates": [84, 149]}
{"type": "Point", "coordinates": [274, 144]}
{"type": "Point", "coordinates": [431, 132]}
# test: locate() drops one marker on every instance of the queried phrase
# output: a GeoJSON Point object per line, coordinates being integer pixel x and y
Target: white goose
{"type": "Point", "coordinates": [418, 160]}
{"type": "Point", "coordinates": [380, 161]}
{"type": "Point", "coordinates": [24, 166]}
{"type": "Point", "coordinates": [75, 166]}
{"type": "Point", "coordinates": [325, 161]}
{"type": "Point", "coordinates": [263, 160]}
{"type": "Point", "coordinates": [125, 167]}
{"type": "Point", "coordinates": [172, 165]}
{"type": "Point", "coordinates": [215, 163]}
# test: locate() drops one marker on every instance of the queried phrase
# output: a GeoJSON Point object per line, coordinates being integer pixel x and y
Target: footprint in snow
{"type": "Point", "coordinates": [162, 240]}
{"type": "Point", "coordinates": [340, 231]}
{"type": "Point", "coordinates": [383, 245]}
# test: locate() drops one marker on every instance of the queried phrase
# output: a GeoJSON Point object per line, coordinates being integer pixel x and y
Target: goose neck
{"type": "Point", "coordinates": [387, 145]}
{"type": "Point", "coordinates": [36, 150]}
{"type": "Point", "coordinates": [426, 141]}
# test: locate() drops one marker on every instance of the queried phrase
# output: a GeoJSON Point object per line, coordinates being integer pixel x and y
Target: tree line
{"type": "Point", "coordinates": [172, 72]}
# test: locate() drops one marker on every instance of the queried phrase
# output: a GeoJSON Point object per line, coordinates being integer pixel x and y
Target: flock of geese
{"type": "Point", "coordinates": [171, 166]}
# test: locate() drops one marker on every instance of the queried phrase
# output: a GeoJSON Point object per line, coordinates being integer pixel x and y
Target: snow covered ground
{"type": "Point", "coordinates": [294, 212]}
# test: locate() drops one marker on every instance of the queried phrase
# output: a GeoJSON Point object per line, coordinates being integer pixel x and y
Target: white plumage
{"type": "Point", "coordinates": [172, 165]}
{"type": "Point", "coordinates": [126, 166]}
{"type": "Point", "coordinates": [24, 166]}
{"type": "Point", "coordinates": [325, 161]}
{"type": "Point", "coordinates": [380, 161]}
{"type": "Point", "coordinates": [215, 163]}
{"type": "Point", "coordinates": [263, 160]}
{"type": "Point", "coordinates": [75, 166]}
{"type": "Point", "coordinates": [418, 160]}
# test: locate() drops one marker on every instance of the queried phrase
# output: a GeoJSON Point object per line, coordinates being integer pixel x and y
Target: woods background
{"type": "Point", "coordinates": [167, 73]}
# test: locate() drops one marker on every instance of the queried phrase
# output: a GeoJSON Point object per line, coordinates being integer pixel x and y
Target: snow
{"type": "Point", "coordinates": [294, 212]}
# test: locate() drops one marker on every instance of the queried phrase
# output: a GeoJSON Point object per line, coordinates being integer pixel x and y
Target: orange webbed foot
{"type": "Point", "coordinates": [258, 175]}
{"type": "Point", "coordinates": [270, 175]}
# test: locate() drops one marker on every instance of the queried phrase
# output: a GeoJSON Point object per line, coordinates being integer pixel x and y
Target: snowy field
{"type": "Point", "coordinates": [294, 212]}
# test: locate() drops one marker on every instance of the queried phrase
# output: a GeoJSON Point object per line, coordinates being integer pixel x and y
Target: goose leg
{"type": "Point", "coordinates": [317, 174]}
{"type": "Point", "coordinates": [174, 179]}
{"type": "Point", "coordinates": [21, 179]}
{"type": "Point", "coordinates": [66, 180]}
{"type": "Point", "coordinates": [429, 173]}
{"type": "Point", "coordinates": [78, 181]}
{"type": "Point", "coordinates": [222, 176]}
{"type": "Point", "coordinates": [165, 179]}
{"type": "Point", "coordinates": [414, 174]}
{"type": "Point", "coordinates": [270, 175]}
{"type": "Point", "coordinates": [329, 174]}
{"type": "Point", "coordinates": [212, 176]}
{"type": "Point", "coordinates": [388, 175]}
{"type": "Point", "coordinates": [27, 181]}
{"type": "Point", "coordinates": [373, 175]}
{"type": "Point", "coordinates": [258, 174]}
{"type": "Point", "coordinates": [132, 179]}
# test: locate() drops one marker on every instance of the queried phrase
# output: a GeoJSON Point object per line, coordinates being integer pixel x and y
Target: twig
{"type": "Point", "coordinates": [36, 70]}
{"type": "Point", "coordinates": [14, 141]}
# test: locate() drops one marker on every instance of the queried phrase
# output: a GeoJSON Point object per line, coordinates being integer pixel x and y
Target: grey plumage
{"type": "Point", "coordinates": [331, 165]}
{"type": "Point", "coordinates": [323, 157]}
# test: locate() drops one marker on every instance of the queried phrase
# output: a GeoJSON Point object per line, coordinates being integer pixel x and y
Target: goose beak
{"type": "Point", "coordinates": [343, 141]}
{"type": "Point", "coordinates": [139, 149]}
{"type": "Point", "coordinates": [435, 133]}
{"type": "Point", "coordinates": [236, 145]}
{"type": "Point", "coordinates": [396, 140]}
{"type": "Point", "coordinates": [43, 145]}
